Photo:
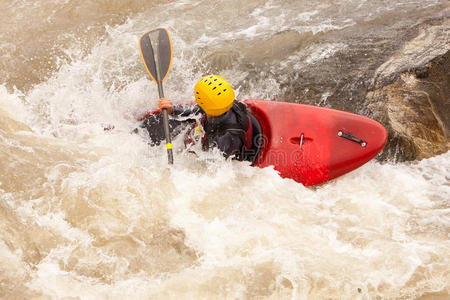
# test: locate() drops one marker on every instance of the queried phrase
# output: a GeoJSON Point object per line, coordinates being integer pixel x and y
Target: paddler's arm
{"type": "Point", "coordinates": [152, 122]}
{"type": "Point", "coordinates": [177, 110]}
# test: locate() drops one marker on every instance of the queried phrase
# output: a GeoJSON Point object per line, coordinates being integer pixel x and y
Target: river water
{"type": "Point", "coordinates": [92, 214]}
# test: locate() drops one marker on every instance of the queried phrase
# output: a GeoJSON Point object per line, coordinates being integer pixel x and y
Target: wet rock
{"type": "Point", "coordinates": [410, 95]}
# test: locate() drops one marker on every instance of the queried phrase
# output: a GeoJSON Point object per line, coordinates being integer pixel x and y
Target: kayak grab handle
{"type": "Point", "coordinates": [301, 140]}
{"type": "Point", "coordinates": [350, 137]}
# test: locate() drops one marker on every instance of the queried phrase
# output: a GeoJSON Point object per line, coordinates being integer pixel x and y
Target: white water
{"type": "Point", "coordinates": [97, 214]}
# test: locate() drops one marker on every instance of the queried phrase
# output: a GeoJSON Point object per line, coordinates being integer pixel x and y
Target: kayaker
{"type": "Point", "coordinates": [225, 121]}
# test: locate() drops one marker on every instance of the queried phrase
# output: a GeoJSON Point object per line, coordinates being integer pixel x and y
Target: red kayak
{"type": "Point", "coordinates": [313, 144]}
{"type": "Point", "coordinates": [307, 143]}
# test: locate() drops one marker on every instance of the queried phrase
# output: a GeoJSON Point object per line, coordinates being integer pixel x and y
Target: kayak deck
{"type": "Point", "coordinates": [313, 144]}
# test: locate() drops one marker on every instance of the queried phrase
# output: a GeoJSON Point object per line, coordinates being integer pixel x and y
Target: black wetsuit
{"type": "Point", "coordinates": [227, 132]}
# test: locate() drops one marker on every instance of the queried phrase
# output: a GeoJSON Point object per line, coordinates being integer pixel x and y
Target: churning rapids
{"type": "Point", "coordinates": [93, 214]}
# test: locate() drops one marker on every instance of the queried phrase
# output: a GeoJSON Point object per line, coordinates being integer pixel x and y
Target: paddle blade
{"type": "Point", "coordinates": [158, 40]}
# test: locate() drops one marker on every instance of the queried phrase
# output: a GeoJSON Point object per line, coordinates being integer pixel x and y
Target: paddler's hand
{"type": "Point", "coordinates": [165, 103]}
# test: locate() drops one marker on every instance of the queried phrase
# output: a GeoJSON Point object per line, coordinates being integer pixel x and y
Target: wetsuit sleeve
{"type": "Point", "coordinates": [186, 111]}
{"type": "Point", "coordinates": [230, 144]}
{"type": "Point", "coordinates": [154, 123]}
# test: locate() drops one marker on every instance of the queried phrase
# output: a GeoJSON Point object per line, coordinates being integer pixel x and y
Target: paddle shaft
{"type": "Point", "coordinates": [154, 37]}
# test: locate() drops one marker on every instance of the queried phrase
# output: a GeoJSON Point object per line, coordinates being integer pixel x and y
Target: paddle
{"type": "Point", "coordinates": [156, 52]}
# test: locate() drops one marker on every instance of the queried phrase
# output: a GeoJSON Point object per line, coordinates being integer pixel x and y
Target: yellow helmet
{"type": "Point", "coordinates": [214, 95]}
